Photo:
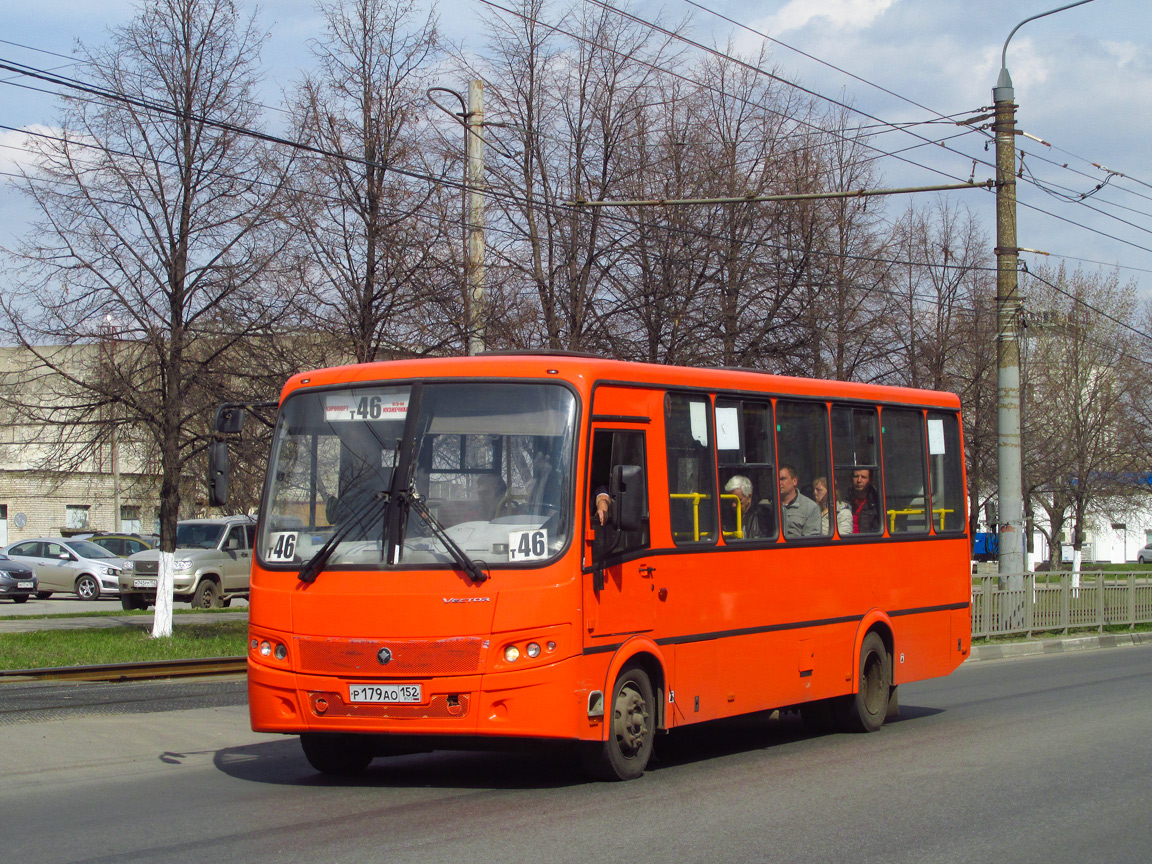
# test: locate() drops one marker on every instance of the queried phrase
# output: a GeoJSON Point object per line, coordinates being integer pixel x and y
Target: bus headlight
{"type": "Point", "coordinates": [533, 649]}
{"type": "Point", "coordinates": [511, 653]}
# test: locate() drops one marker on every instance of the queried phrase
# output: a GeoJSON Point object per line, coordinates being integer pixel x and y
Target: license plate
{"type": "Point", "coordinates": [143, 583]}
{"type": "Point", "coordinates": [28, 584]}
{"type": "Point", "coordinates": [385, 693]}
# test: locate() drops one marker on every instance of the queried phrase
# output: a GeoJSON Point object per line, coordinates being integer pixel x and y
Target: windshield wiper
{"type": "Point", "coordinates": [358, 518]}
{"type": "Point", "coordinates": [472, 569]}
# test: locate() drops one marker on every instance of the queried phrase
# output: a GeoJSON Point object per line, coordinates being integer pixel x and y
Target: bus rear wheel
{"type": "Point", "coordinates": [866, 710]}
{"type": "Point", "coordinates": [625, 753]}
{"type": "Point", "coordinates": [338, 753]}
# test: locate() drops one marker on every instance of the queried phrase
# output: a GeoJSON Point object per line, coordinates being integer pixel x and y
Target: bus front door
{"type": "Point", "coordinates": [619, 584]}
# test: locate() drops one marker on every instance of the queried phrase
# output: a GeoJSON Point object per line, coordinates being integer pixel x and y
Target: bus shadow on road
{"type": "Point", "coordinates": [748, 733]}
{"type": "Point", "coordinates": [542, 766]}
{"type": "Point", "coordinates": [534, 767]}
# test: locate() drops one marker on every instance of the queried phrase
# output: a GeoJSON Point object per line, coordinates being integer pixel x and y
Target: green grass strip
{"type": "Point", "coordinates": [44, 649]}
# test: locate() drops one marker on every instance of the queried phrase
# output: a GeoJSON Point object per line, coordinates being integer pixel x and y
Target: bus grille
{"type": "Point", "coordinates": [457, 656]}
{"type": "Point", "coordinates": [438, 708]}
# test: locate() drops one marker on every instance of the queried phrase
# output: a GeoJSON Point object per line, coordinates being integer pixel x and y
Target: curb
{"type": "Point", "coordinates": [1057, 646]}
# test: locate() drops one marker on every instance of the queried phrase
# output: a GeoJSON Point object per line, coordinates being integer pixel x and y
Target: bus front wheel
{"type": "Point", "coordinates": [866, 710]}
{"type": "Point", "coordinates": [625, 753]}
{"type": "Point", "coordinates": [337, 753]}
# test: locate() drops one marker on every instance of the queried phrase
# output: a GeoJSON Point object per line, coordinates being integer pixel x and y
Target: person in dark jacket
{"type": "Point", "coordinates": [865, 503]}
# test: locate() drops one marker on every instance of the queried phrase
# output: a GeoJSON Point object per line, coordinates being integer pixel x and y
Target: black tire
{"type": "Point", "coordinates": [43, 595]}
{"type": "Point", "coordinates": [207, 595]}
{"type": "Point", "coordinates": [631, 729]}
{"type": "Point", "coordinates": [88, 587]}
{"type": "Point", "coordinates": [20, 598]}
{"type": "Point", "coordinates": [338, 753]}
{"type": "Point", "coordinates": [866, 710]}
{"type": "Point", "coordinates": [133, 601]}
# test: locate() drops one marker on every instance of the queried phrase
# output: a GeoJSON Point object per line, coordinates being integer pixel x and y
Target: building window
{"type": "Point", "coordinates": [76, 517]}
{"type": "Point", "coordinates": [130, 519]}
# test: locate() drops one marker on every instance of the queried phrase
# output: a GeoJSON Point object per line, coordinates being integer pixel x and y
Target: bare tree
{"type": "Point", "coordinates": [374, 276]}
{"type": "Point", "coordinates": [157, 230]}
{"type": "Point", "coordinates": [571, 96]}
{"type": "Point", "coordinates": [1085, 447]}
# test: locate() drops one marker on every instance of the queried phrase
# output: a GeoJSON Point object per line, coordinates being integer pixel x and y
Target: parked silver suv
{"type": "Point", "coordinates": [213, 564]}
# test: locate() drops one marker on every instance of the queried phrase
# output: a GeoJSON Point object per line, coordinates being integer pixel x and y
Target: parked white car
{"type": "Point", "coordinates": [68, 566]}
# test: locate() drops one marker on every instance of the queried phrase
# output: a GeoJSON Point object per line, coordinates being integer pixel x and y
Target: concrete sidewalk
{"type": "Point", "coordinates": [1058, 645]}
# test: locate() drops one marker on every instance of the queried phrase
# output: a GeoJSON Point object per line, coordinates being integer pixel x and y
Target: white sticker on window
{"type": "Point", "coordinates": [936, 437]}
{"type": "Point", "coordinates": [699, 423]}
{"type": "Point", "coordinates": [727, 429]}
{"type": "Point", "coordinates": [365, 405]}
{"type": "Point", "coordinates": [281, 546]}
{"type": "Point", "coordinates": [528, 545]}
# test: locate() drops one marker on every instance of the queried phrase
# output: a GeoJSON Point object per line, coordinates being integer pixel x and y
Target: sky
{"type": "Point", "coordinates": [1082, 77]}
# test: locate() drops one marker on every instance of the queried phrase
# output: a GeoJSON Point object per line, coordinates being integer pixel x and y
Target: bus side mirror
{"type": "Point", "coordinates": [627, 490]}
{"type": "Point", "coordinates": [218, 473]}
{"type": "Point", "coordinates": [229, 420]}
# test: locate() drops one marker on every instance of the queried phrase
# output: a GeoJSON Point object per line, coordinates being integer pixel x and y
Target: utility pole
{"type": "Point", "coordinates": [474, 190]}
{"type": "Point", "coordinates": [1010, 497]}
{"type": "Point", "coordinates": [1009, 494]}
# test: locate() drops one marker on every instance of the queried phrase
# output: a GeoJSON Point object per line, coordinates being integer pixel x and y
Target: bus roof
{"type": "Point", "coordinates": [584, 370]}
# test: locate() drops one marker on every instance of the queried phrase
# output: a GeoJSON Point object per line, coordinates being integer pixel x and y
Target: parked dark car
{"type": "Point", "coordinates": [17, 582]}
{"type": "Point", "coordinates": [120, 545]}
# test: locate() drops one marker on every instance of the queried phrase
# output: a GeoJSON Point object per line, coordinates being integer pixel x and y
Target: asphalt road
{"type": "Point", "coordinates": [1039, 759]}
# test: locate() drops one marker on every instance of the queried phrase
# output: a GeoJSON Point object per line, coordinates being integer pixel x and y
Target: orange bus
{"type": "Point", "coordinates": [432, 569]}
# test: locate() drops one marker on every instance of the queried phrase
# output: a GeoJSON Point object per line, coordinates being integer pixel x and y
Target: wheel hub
{"type": "Point", "coordinates": [631, 720]}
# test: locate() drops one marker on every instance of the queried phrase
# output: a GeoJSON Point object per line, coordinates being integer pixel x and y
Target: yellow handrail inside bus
{"type": "Point", "coordinates": [941, 512]}
{"type": "Point", "coordinates": [739, 532]}
{"type": "Point", "coordinates": [695, 498]}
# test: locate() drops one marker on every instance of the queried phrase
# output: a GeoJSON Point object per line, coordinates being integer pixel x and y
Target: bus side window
{"type": "Point", "coordinates": [946, 472]}
{"type": "Point", "coordinates": [904, 483]}
{"type": "Point", "coordinates": [610, 448]}
{"type": "Point", "coordinates": [691, 468]}
{"type": "Point", "coordinates": [744, 446]}
{"type": "Point", "coordinates": [802, 446]}
{"type": "Point", "coordinates": [857, 466]}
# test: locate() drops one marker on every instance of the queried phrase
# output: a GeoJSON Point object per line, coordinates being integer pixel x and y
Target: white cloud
{"type": "Point", "coordinates": [15, 153]}
{"type": "Point", "coordinates": [840, 13]}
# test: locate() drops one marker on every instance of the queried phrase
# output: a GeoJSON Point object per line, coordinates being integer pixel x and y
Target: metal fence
{"type": "Point", "coordinates": [1049, 602]}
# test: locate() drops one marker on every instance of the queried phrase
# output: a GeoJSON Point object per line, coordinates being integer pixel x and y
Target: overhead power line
{"type": "Point", "coordinates": [807, 196]}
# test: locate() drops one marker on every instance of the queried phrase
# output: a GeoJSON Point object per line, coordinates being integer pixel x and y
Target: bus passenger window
{"type": "Point", "coordinates": [744, 448]}
{"type": "Point", "coordinates": [946, 472]}
{"type": "Point", "coordinates": [857, 467]}
{"type": "Point", "coordinates": [904, 484]}
{"type": "Point", "coordinates": [802, 444]}
{"type": "Point", "coordinates": [691, 472]}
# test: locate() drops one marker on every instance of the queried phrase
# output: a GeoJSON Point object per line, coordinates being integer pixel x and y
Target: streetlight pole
{"type": "Point", "coordinates": [471, 117]}
{"type": "Point", "coordinates": [1009, 476]}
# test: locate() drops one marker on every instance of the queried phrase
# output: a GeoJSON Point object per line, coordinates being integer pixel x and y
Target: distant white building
{"type": "Point", "coordinates": [52, 481]}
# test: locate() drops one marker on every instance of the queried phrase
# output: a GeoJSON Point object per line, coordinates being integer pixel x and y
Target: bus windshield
{"type": "Point", "coordinates": [491, 463]}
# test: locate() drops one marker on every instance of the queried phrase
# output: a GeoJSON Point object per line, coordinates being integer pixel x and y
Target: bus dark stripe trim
{"type": "Point", "coordinates": [771, 628]}
{"type": "Point", "coordinates": [951, 607]}
{"type": "Point", "coordinates": [619, 418]}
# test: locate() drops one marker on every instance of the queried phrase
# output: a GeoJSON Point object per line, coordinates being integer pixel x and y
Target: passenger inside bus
{"type": "Point", "coordinates": [800, 514]}
{"type": "Point", "coordinates": [865, 503]}
{"type": "Point", "coordinates": [755, 521]}
{"type": "Point", "coordinates": [843, 512]}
